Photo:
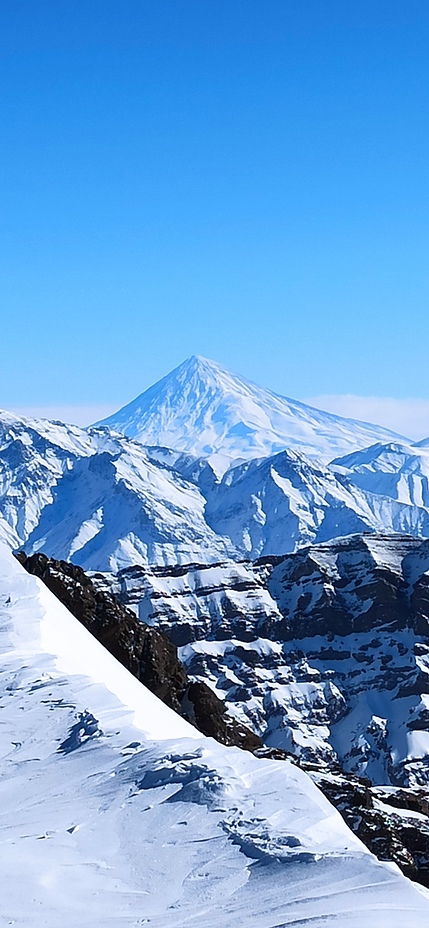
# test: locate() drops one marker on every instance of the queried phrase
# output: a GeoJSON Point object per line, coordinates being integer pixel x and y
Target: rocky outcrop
{"type": "Point", "coordinates": [146, 652]}
{"type": "Point", "coordinates": [323, 653]}
{"type": "Point", "coordinates": [209, 714]}
{"type": "Point", "coordinates": [393, 824]}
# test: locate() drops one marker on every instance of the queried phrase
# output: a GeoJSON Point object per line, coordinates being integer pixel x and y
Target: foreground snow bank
{"type": "Point", "coordinates": [115, 811]}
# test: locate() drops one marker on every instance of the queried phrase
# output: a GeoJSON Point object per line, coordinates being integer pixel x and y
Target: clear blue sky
{"type": "Point", "coordinates": [241, 179]}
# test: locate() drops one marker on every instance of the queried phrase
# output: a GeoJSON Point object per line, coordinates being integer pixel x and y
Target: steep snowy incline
{"type": "Point", "coordinates": [97, 498]}
{"type": "Point", "coordinates": [394, 470]}
{"type": "Point", "coordinates": [203, 409]}
{"type": "Point", "coordinates": [278, 504]}
{"type": "Point", "coordinates": [115, 811]}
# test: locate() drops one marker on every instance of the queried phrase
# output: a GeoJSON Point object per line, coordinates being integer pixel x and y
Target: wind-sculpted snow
{"type": "Point", "coordinates": [202, 409]}
{"type": "Point", "coordinates": [115, 811]}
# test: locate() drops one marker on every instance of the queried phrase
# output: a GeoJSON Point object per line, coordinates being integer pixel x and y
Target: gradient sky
{"type": "Point", "coordinates": [241, 179]}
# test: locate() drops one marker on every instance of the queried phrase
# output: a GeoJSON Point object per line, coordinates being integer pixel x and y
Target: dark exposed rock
{"type": "Point", "coordinates": [208, 713]}
{"type": "Point", "coordinates": [379, 818]}
{"type": "Point", "coordinates": [146, 652]}
{"type": "Point", "coordinates": [82, 731]}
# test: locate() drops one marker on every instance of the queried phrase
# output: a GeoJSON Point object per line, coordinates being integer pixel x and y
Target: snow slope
{"type": "Point", "coordinates": [97, 498]}
{"type": "Point", "coordinates": [396, 470]}
{"type": "Point", "coordinates": [202, 409]}
{"type": "Point", "coordinates": [115, 811]}
{"type": "Point", "coordinates": [105, 502]}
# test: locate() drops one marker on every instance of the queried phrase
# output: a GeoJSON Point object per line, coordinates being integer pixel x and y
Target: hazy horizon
{"type": "Point", "coordinates": [245, 181]}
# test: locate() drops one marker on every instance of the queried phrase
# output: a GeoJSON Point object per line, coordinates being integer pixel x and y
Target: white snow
{"type": "Point", "coordinates": [98, 499]}
{"type": "Point", "coordinates": [201, 408]}
{"type": "Point", "coordinates": [107, 502]}
{"type": "Point", "coordinates": [114, 811]}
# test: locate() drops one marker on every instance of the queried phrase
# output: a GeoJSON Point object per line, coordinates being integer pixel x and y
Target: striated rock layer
{"type": "Point", "coordinates": [324, 652]}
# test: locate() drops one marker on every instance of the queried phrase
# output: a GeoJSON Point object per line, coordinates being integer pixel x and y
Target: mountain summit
{"type": "Point", "coordinates": [203, 409]}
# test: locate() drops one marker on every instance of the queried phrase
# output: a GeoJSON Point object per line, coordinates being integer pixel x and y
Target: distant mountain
{"type": "Point", "coordinates": [97, 499]}
{"type": "Point", "coordinates": [280, 503]}
{"type": "Point", "coordinates": [423, 443]}
{"type": "Point", "coordinates": [202, 409]}
{"type": "Point", "coordinates": [399, 471]}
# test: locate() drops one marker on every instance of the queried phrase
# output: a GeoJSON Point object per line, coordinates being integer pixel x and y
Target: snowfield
{"type": "Point", "coordinates": [114, 811]}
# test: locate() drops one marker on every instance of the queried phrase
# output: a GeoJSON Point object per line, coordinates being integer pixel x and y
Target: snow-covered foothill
{"type": "Point", "coordinates": [115, 811]}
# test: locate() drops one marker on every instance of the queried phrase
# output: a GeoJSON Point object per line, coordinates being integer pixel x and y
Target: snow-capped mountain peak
{"type": "Point", "coordinates": [203, 409]}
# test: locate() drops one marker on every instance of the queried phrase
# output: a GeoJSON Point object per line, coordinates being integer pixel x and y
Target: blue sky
{"type": "Point", "coordinates": [238, 179]}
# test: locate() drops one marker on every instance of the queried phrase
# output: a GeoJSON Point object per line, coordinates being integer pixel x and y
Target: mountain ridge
{"type": "Point", "coordinates": [105, 501]}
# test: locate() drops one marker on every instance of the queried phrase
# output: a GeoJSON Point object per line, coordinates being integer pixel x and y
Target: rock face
{"type": "Point", "coordinates": [197, 601]}
{"type": "Point", "coordinates": [146, 652]}
{"type": "Point", "coordinates": [323, 653]}
{"type": "Point", "coordinates": [393, 824]}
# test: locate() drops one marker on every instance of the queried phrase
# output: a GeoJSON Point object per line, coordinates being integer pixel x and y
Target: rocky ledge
{"type": "Point", "coordinates": [146, 652]}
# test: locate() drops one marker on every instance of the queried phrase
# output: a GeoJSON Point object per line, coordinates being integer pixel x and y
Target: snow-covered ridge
{"type": "Point", "coordinates": [396, 470]}
{"type": "Point", "coordinates": [117, 811]}
{"type": "Point", "coordinates": [203, 409]}
{"type": "Point", "coordinates": [106, 502]}
{"type": "Point", "coordinates": [97, 497]}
